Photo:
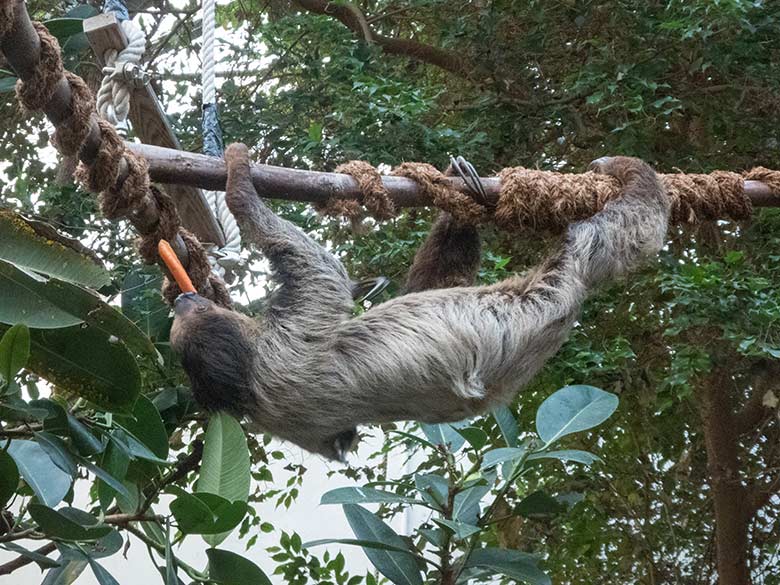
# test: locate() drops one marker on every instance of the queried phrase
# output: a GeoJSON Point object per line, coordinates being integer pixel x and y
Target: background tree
{"type": "Point", "coordinates": [687, 490]}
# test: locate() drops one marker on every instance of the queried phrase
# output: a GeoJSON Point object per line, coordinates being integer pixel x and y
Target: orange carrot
{"type": "Point", "coordinates": [177, 270]}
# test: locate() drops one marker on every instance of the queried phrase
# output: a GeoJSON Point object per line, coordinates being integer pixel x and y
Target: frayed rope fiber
{"type": "Point", "coordinates": [133, 195]}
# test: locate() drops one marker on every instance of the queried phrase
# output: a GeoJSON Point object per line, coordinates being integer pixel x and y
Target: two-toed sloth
{"type": "Point", "coordinates": [309, 371]}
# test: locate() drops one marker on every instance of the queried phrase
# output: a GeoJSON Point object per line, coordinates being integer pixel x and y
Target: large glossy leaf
{"type": "Point", "coordinates": [9, 478]}
{"type": "Point", "coordinates": [14, 351]}
{"type": "Point", "coordinates": [400, 568]}
{"type": "Point", "coordinates": [361, 495]}
{"type": "Point", "coordinates": [573, 409]}
{"type": "Point", "coordinates": [204, 513]}
{"type": "Point", "coordinates": [232, 569]}
{"type": "Point", "coordinates": [49, 482]}
{"type": "Point", "coordinates": [86, 362]}
{"type": "Point", "coordinates": [61, 304]}
{"type": "Point", "coordinates": [512, 563]}
{"type": "Point", "coordinates": [68, 523]}
{"type": "Point", "coordinates": [147, 426]}
{"type": "Point", "coordinates": [25, 299]}
{"type": "Point", "coordinates": [225, 469]}
{"type": "Point", "coordinates": [459, 530]}
{"type": "Point", "coordinates": [23, 246]}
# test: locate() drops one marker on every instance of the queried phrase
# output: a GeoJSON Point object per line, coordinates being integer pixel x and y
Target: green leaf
{"type": "Point", "coordinates": [475, 437]}
{"type": "Point", "coordinates": [135, 448]}
{"type": "Point", "coordinates": [24, 247]}
{"type": "Point", "coordinates": [573, 409]}
{"type": "Point", "coordinates": [143, 304]}
{"type": "Point", "coordinates": [232, 569]}
{"type": "Point", "coordinates": [58, 451]}
{"type": "Point", "coordinates": [87, 363]}
{"type": "Point", "coordinates": [539, 505]}
{"type": "Point", "coordinates": [42, 561]}
{"type": "Point", "coordinates": [204, 513]}
{"type": "Point", "coordinates": [115, 462]}
{"type": "Point", "coordinates": [433, 488]}
{"type": "Point", "coordinates": [465, 504]}
{"type": "Point", "coordinates": [567, 455]}
{"type": "Point", "coordinates": [66, 573]}
{"type": "Point", "coordinates": [49, 483]}
{"type": "Point", "coordinates": [62, 28]}
{"type": "Point", "coordinates": [444, 435]}
{"type": "Point", "coordinates": [68, 523]}
{"type": "Point", "coordinates": [9, 478]}
{"type": "Point", "coordinates": [400, 568]}
{"type": "Point", "coordinates": [105, 477]}
{"type": "Point", "coordinates": [501, 455]}
{"type": "Point", "coordinates": [357, 542]}
{"type": "Point", "coordinates": [8, 84]}
{"type": "Point", "coordinates": [225, 469]}
{"type": "Point", "coordinates": [103, 577]}
{"type": "Point", "coordinates": [511, 563]}
{"type": "Point", "coordinates": [362, 495]}
{"type": "Point", "coordinates": [50, 304]}
{"type": "Point", "coordinates": [147, 426]}
{"type": "Point", "coordinates": [507, 424]}
{"type": "Point", "coordinates": [14, 351]}
{"type": "Point", "coordinates": [82, 437]}
{"type": "Point", "coordinates": [460, 530]}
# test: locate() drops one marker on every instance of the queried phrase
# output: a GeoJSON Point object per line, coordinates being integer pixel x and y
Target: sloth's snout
{"type": "Point", "coordinates": [189, 302]}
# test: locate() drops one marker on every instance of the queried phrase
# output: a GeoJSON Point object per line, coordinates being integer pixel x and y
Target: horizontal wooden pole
{"type": "Point", "coordinates": [174, 166]}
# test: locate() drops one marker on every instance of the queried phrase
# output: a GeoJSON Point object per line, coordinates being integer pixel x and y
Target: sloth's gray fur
{"type": "Point", "coordinates": [309, 372]}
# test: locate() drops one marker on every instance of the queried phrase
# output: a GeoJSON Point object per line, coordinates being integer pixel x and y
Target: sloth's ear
{"type": "Point", "coordinates": [343, 443]}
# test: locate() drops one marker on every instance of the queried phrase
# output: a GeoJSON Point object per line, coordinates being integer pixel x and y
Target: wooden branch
{"type": "Point", "coordinates": [174, 166]}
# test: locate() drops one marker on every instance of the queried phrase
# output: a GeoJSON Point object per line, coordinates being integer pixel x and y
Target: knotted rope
{"type": "Point", "coordinates": [133, 195]}
{"type": "Point", "coordinates": [547, 200]}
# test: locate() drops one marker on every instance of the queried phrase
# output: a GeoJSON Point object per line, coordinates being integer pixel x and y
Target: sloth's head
{"type": "Point", "coordinates": [216, 352]}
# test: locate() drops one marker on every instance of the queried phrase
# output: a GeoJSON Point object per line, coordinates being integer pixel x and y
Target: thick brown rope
{"type": "Point", "coordinates": [35, 93]}
{"type": "Point", "coordinates": [436, 185]}
{"type": "Point", "coordinates": [376, 200]}
{"type": "Point", "coordinates": [134, 193]}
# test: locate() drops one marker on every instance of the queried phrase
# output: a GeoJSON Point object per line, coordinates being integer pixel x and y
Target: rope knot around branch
{"type": "Point", "coordinates": [704, 197]}
{"type": "Point", "coordinates": [436, 185]}
{"type": "Point", "coordinates": [376, 198]}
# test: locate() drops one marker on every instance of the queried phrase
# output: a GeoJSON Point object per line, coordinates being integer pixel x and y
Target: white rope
{"type": "Point", "coordinates": [229, 256]}
{"type": "Point", "coordinates": [121, 74]}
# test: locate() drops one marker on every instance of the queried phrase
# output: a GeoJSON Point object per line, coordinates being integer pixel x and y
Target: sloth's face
{"type": "Point", "coordinates": [188, 303]}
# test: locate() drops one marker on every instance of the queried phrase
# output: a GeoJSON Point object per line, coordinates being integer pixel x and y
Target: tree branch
{"type": "Point", "coordinates": [22, 561]}
{"type": "Point", "coordinates": [351, 17]}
